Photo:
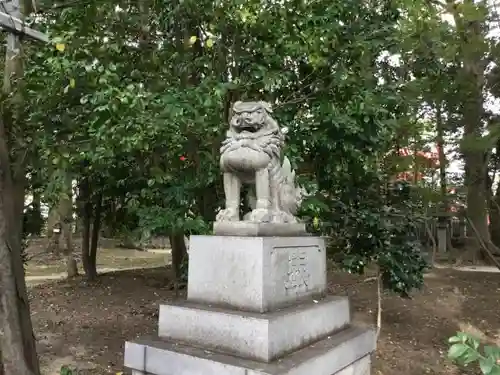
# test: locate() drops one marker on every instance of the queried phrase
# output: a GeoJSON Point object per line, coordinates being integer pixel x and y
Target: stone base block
{"type": "Point", "coordinates": [248, 228]}
{"type": "Point", "coordinates": [360, 367]}
{"type": "Point", "coordinates": [256, 273]}
{"type": "Point", "coordinates": [263, 337]}
{"type": "Point", "coordinates": [345, 353]}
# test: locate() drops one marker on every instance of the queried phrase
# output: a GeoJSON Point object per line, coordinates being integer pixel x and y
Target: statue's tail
{"type": "Point", "coordinates": [290, 196]}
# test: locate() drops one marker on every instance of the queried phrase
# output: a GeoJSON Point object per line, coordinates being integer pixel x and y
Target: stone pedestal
{"type": "Point", "coordinates": [442, 234]}
{"type": "Point", "coordinates": [255, 305]}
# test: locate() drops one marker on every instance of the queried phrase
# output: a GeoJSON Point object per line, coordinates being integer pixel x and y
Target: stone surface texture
{"type": "Point", "coordinates": [359, 367]}
{"type": "Point", "coordinates": [256, 273]}
{"type": "Point", "coordinates": [329, 356]}
{"type": "Point", "coordinates": [252, 154]}
{"type": "Point", "coordinates": [249, 229]}
{"type": "Point", "coordinates": [442, 240]}
{"type": "Point", "coordinates": [262, 337]}
{"type": "Point", "coordinates": [255, 306]}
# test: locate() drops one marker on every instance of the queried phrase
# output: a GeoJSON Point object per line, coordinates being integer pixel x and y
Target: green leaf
{"type": "Point", "coordinates": [474, 342]}
{"type": "Point", "coordinates": [459, 337]}
{"type": "Point", "coordinates": [492, 351]}
{"type": "Point", "coordinates": [470, 356]}
{"type": "Point", "coordinates": [486, 365]}
{"type": "Point", "coordinates": [457, 350]}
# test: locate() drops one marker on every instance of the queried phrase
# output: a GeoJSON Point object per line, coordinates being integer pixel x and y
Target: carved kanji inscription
{"type": "Point", "coordinates": [298, 271]}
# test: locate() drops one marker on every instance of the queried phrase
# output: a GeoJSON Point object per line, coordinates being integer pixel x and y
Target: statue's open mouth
{"type": "Point", "coordinates": [248, 128]}
{"type": "Point", "coordinates": [243, 125]}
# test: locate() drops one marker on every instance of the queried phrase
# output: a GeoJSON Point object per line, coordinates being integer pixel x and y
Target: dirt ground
{"type": "Point", "coordinates": [42, 264]}
{"type": "Point", "coordinates": [86, 325]}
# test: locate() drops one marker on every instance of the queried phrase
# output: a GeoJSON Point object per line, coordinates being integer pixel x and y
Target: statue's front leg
{"type": "Point", "coordinates": [275, 203]}
{"type": "Point", "coordinates": [261, 213]}
{"type": "Point", "coordinates": [232, 191]}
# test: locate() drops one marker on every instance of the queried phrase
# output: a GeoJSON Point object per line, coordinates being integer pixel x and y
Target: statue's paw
{"type": "Point", "coordinates": [260, 215]}
{"type": "Point", "coordinates": [228, 214]}
{"type": "Point", "coordinates": [283, 217]}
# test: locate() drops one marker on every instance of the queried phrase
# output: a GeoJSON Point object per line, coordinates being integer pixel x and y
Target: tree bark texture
{"type": "Point", "coordinates": [472, 84]}
{"type": "Point", "coordinates": [17, 342]}
{"type": "Point", "coordinates": [11, 213]}
{"type": "Point", "coordinates": [179, 253]}
{"type": "Point", "coordinates": [91, 220]}
{"type": "Point", "coordinates": [442, 158]}
{"type": "Point", "coordinates": [13, 351]}
{"type": "Point", "coordinates": [495, 217]}
{"type": "Point", "coordinates": [94, 241]}
{"type": "Point", "coordinates": [86, 216]}
{"type": "Point", "coordinates": [66, 219]}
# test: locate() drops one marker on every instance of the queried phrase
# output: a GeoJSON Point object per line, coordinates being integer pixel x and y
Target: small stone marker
{"type": "Point", "coordinates": [256, 302]}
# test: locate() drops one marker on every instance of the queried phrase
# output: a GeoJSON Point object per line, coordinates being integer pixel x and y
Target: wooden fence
{"type": "Point", "coordinates": [457, 230]}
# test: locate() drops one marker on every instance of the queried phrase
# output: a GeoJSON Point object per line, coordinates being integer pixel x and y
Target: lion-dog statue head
{"type": "Point", "coordinates": [253, 140]}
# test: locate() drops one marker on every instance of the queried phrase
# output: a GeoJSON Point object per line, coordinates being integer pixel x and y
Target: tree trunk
{"type": "Point", "coordinates": [86, 218]}
{"type": "Point", "coordinates": [18, 343]}
{"type": "Point", "coordinates": [179, 252]}
{"type": "Point", "coordinates": [14, 352]}
{"type": "Point", "coordinates": [53, 245]}
{"type": "Point", "coordinates": [495, 217]}
{"type": "Point", "coordinates": [416, 164]}
{"type": "Point", "coordinates": [65, 209]}
{"type": "Point", "coordinates": [96, 227]}
{"type": "Point", "coordinates": [87, 265]}
{"type": "Point", "coordinates": [37, 220]}
{"type": "Point", "coordinates": [442, 159]}
{"type": "Point", "coordinates": [37, 201]}
{"type": "Point", "coordinates": [90, 231]}
{"type": "Point", "coordinates": [475, 182]}
{"type": "Point", "coordinates": [472, 84]}
{"type": "Point", "coordinates": [444, 240]}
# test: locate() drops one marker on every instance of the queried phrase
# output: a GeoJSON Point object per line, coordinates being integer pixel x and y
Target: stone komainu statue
{"type": "Point", "coordinates": [252, 154]}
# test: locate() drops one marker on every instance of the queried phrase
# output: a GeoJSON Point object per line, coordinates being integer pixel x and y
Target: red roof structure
{"type": "Point", "coordinates": [425, 159]}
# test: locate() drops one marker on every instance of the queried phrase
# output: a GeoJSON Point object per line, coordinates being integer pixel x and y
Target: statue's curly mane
{"type": "Point", "coordinates": [266, 139]}
{"type": "Point", "coordinates": [269, 143]}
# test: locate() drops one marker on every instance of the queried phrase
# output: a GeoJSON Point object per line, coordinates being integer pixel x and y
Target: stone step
{"type": "Point", "coordinates": [262, 337]}
{"type": "Point", "coordinates": [345, 353]}
{"type": "Point", "coordinates": [256, 273]}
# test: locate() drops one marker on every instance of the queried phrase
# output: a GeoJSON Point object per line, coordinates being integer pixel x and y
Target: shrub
{"type": "Point", "coordinates": [466, 349]}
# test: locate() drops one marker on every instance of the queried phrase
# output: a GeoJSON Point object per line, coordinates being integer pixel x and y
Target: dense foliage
{"type": "Point", "coordinates": [136, 104]}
